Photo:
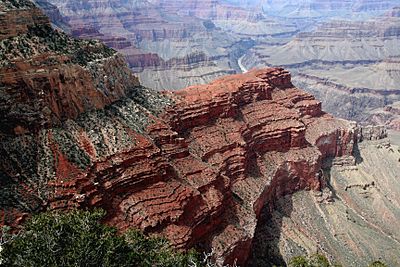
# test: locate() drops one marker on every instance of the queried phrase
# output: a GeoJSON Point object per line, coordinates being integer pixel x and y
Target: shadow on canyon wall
{"type": "Point", "coordinates": [265, 247]}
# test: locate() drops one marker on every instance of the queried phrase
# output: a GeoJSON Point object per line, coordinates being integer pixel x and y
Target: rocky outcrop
{"type": "Point", "coordinates": [48, 77]}
{"type": "Point", "coordinates": [138, 63]}
{"type": "Point", "coordinates": [166, 43]}
{"type": "Point", "coordinates": [201, 175]}
{"type": "Point", "coordinates": [368, 106]}
{"type": "Point", "coordinates": [350, 66]}
{"type": "Point", "coordinates": [17, 17]}
{"type": "Point", "coordinates": [373, 132]}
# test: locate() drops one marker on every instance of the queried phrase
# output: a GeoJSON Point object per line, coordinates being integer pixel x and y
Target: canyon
{"type": "Point", "coordinates": [351, 65]}
{"type": "Point", "coordinates": [343, 52]}
{"type": "Point", "coordinates": [248, 165]}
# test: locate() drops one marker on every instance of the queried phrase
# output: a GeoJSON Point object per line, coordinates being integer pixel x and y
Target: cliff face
{"type": "Point", "coordinates": [54, 14]}
{"type": "Point", "coordinates": [209, 9]}
{"type": "Point", "coordinates": [319, 8]}
{"type": "Point", "coordinates": [356, 215]}
{"type": "Point", "coordinates": [48, 77]}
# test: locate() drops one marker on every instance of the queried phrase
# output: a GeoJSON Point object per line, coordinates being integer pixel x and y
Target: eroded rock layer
{"type": "Point", "coordinates": [168, 44]}
{"type": "Point", "coordinates": [201, 174]}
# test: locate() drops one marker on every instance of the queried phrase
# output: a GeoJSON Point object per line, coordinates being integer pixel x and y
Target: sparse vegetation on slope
{"type": "Point", "coordinates": [318, 260]}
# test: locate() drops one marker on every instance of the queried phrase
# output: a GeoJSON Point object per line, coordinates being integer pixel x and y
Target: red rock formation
{"type": "Point", "coordinates": [203, 173]}
{"type": "Point", "coordinates": [63, 77]}
{"type": "Point", "coordinates": [197, 165]}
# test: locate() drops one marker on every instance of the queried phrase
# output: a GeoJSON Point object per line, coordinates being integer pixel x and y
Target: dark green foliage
{"type": "Point", "coordinates": [318, 260]}
{"type": "Point", "coordinates": [150, 251]}
{"type": "Point", "coordinates": [65, 240]}
{"type": "Point", "coordinates": [82, 51]}
{"type": "Point", "coordinates": [299, 261]}
{"type": "Point", "coordinates": [78, 239]}
{"type": "Point", "coordinates": [43, 39]}
{"type": "Point", "coordinates": [377, 264]}
{"type": "Point", "coordinates": [17, 4]}
{"type": "Point", "coordinates": [69, 147]}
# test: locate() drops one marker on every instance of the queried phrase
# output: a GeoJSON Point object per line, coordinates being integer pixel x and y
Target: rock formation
{"type": "Point", "coordinates": [48, 77]}
{"type": "Point", "coordinates": [54, 14]}
{"type": "Point", "coordinates": [321, 8]}
{"type": "Point", "coordinates": [200, 175]}
{"type": "Point", "coordinates": [175, 44]}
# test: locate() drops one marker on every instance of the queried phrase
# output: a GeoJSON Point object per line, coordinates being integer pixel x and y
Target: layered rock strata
{"type": "Point", "coordinates": [48, 77]}
{"type": "Point", "coordinates": [197, 165]}
{"type": "Point", "coordinates": [351, 66]}
{"type": "Point", "coordinates": [199, 175]}
{"type": "Point", "coordinates": [160, 39]}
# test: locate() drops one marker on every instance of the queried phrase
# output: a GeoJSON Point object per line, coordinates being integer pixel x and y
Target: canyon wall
{"type": "Point", "coordinates": [356, 215]}
{"type": "Point", "coordinates": [159, 39]}
{"type": "Point", "coordinates": [320, 8]}
{"type": "Point", "coordinates": [48, 77]}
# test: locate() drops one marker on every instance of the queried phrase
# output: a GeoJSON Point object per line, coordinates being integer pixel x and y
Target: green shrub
{"type": "Point", "coordinates": [78, 239]}
{"type": "Point", "coordinates": [299, 261]}
{"type": "Point", "coordinates": [377, 264]}
{"type": "Point", "coordinates": [318, 260]}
